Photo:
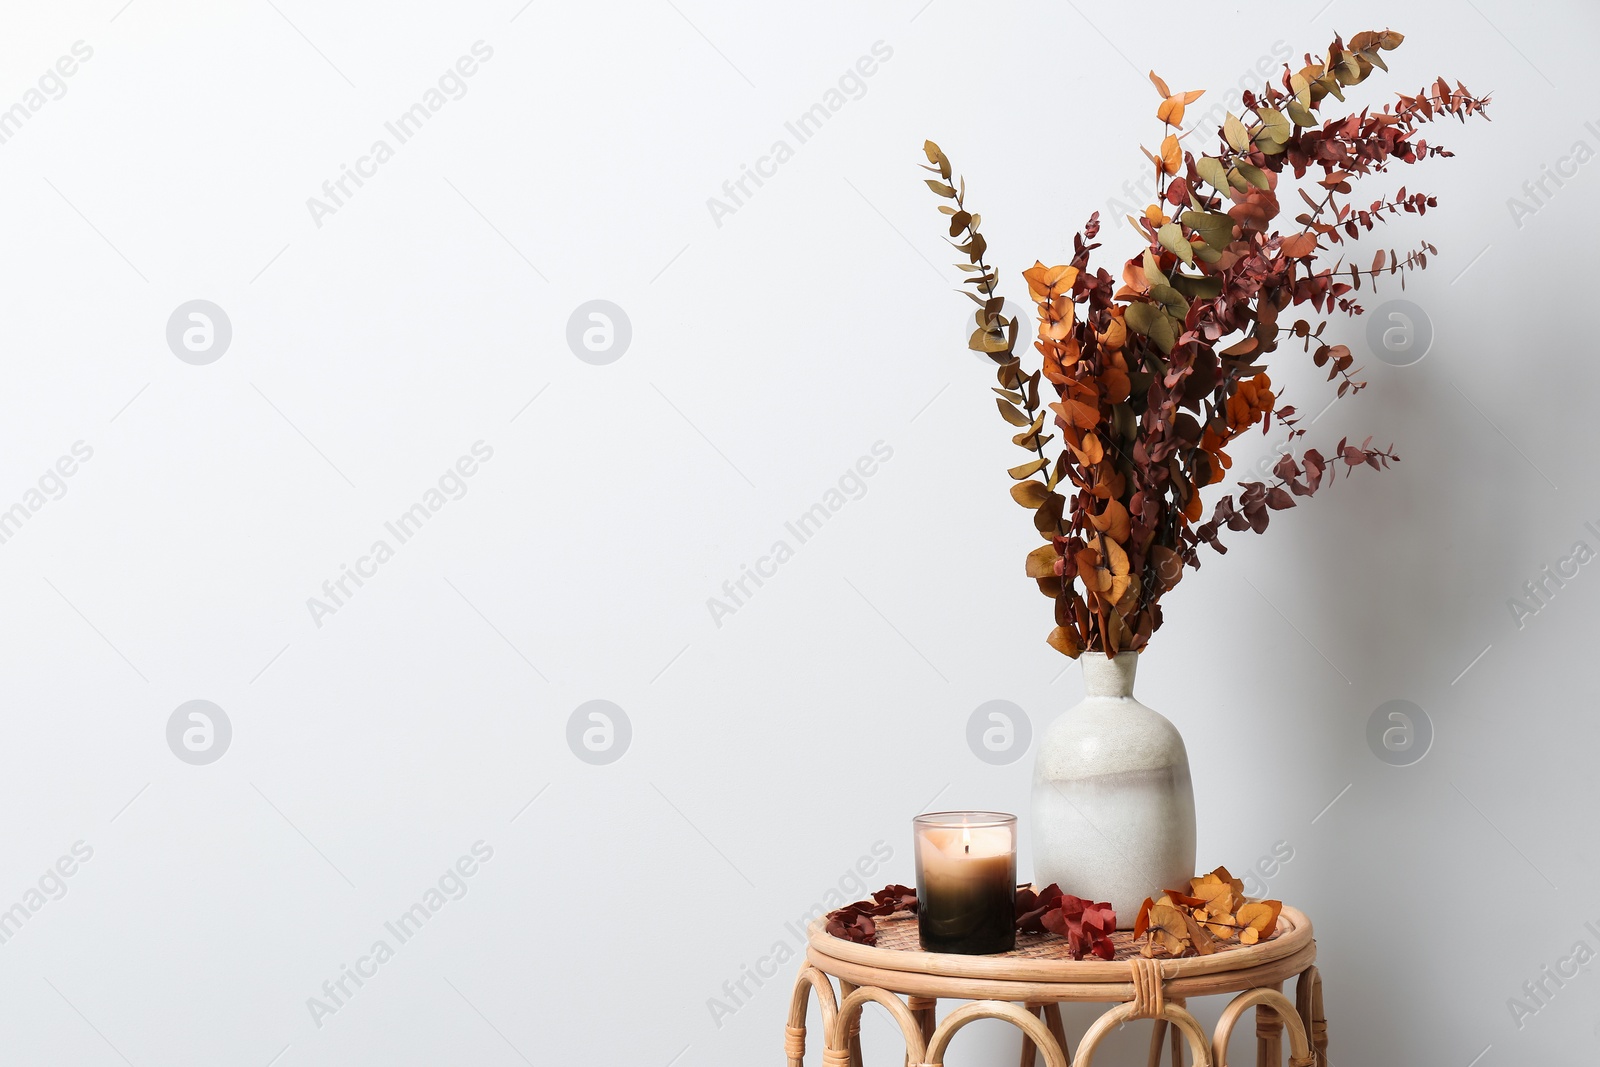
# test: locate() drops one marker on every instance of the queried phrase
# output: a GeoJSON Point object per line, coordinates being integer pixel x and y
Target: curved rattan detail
{"type": "Point", "coordinates": [1299, 1046]}
{"type": "Point", "coordinates": [1028, 1023]}
{"type": "Point", "coordinates": [1308, 1004]}
{"type": "Point", "coordinates": [808, 981]}
{"type": "Point", "coordinates": [1178, 1016]}
{"type": "Point", "coordinates": [1040, 975]}
{"type": "Point", "coordinates": [848, 1022]}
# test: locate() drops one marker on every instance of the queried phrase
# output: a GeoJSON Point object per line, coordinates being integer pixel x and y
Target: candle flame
{"type": "Point", "coordinates": [966, 839]}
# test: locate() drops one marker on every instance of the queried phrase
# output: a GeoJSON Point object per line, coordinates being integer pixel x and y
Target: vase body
{"type": "Point", "coordinates": [1113, 803]}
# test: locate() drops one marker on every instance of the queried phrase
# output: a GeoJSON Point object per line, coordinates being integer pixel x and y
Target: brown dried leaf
{"type": "Point", "coordinates": [1011, 414]}
{"type": "Point", "coordinates": [1030, 494]}
{"type": "Point", "coordinates": [1020, 472]}
{"type": "Point", "coordinates": [1043, 562]}
{"type": "Point", "coordinates": [1065, 642]}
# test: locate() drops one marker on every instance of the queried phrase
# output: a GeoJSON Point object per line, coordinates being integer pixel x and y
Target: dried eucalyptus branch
{"type": "Point", "coordinates": [1156, 376]}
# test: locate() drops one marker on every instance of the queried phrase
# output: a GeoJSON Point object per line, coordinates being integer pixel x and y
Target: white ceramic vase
{"type": "Point", "coordinates": [1113, 804]}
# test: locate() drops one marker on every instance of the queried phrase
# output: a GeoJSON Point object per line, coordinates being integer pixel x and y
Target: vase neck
{"type": "Point", "coordinates": [1109, 676]}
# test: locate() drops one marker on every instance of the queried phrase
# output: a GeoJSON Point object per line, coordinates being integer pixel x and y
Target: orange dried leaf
{"type": "Point", "coordinates": [1089, 451]}
{"type": "Point", "coordinates": [1116, 334]}
{"type": "Point", "coordinates": [1142, 923]}
{"type": "Point", "coordinates": [1074, 412]}
{"type": "Point", "coordinates": [1259, 918]}
{"type": "Point", "coordinates": [1113, 522]}
{"type": "Point", "coordinates": [1117, 384]}
{"type": "Point", "coordinates": [1300, 245]}
{"type": "Point", "coordinates": [1171, 155]}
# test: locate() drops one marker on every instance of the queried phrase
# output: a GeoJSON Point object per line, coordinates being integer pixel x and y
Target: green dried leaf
{"type": "Point", "coordinates": [1141, 317]}
{"type": "Point", "coordinates": [1300, 86]}
{"type": "Point", "coordinates": [1275, 129]}
{"type": "Point", "coordinates": [1164, 334]}
{"type": "Point", "coordinates": [1171, 238]}
{"type": "Point", "coordinates": [1205, 288]}
{"type": "Point", "coordinates": [1214, 227]}
{"type": "Point", "coordinates": [1123, 422]}
{"type": "Point", "coordinates": [1213, 172]}
{"type": "Point", "coordinates": [1235, 134]}
{"type": "Point", "coordinates": [1152, 270]}
{"type": "Point", "coordinates": [1172, 300]}
{"type": "Point", "coordinates": [1252, 174]}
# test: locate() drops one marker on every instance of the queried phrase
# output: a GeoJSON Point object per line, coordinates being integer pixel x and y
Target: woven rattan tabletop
{"type": "Point", "coordinates": [1044, 957]}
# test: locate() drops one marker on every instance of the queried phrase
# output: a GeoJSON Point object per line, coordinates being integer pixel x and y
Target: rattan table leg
{"type": "Point", "coordinates": [1052, 1020]}
{"type": "Point", "coordinates": [845, 989]}
{"type": "Point", "coordinates": [1177, 1040]}
{"type": "Point", "coordinates": [1319, 1028]}
{"type": "Point", "coordinates": [1029, 1052]}
{"type": "Point", "coordinates": [808, 984]}
{"type": "Point", "coordinates": [1308, 1003]}
{"type": "Point", "coordinates": [1269, 1033]}
{"type": "Point", "coordinates": [1158, 1039]}
{"type": "Point", "coordinates": [925, 1010]}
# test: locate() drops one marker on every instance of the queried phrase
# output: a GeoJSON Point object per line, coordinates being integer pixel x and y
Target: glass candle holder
{"type": "Point", "coordinates": [966, 881]}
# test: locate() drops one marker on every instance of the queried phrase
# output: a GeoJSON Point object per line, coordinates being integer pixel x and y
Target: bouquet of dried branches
{"type": "Point", "coordinates": [1156, 376]}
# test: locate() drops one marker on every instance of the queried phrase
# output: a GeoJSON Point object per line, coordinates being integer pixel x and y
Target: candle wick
{"type": "Point", "coordinates": [967, 849]}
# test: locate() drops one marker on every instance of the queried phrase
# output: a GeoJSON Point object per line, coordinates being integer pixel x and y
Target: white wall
{"type": "Point", "coordinates": [771, 348]}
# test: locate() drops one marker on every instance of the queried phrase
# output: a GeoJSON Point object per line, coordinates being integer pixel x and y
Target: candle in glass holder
{"type": "Point", "coordinates": [966, 881]}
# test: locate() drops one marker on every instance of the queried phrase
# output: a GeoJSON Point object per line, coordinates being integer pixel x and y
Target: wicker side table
{"type": "Point", "coordinates": [1027, 986]}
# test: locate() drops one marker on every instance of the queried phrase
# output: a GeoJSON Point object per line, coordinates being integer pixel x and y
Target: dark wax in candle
{"type": "Point", "coordinates": [971, 916]}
